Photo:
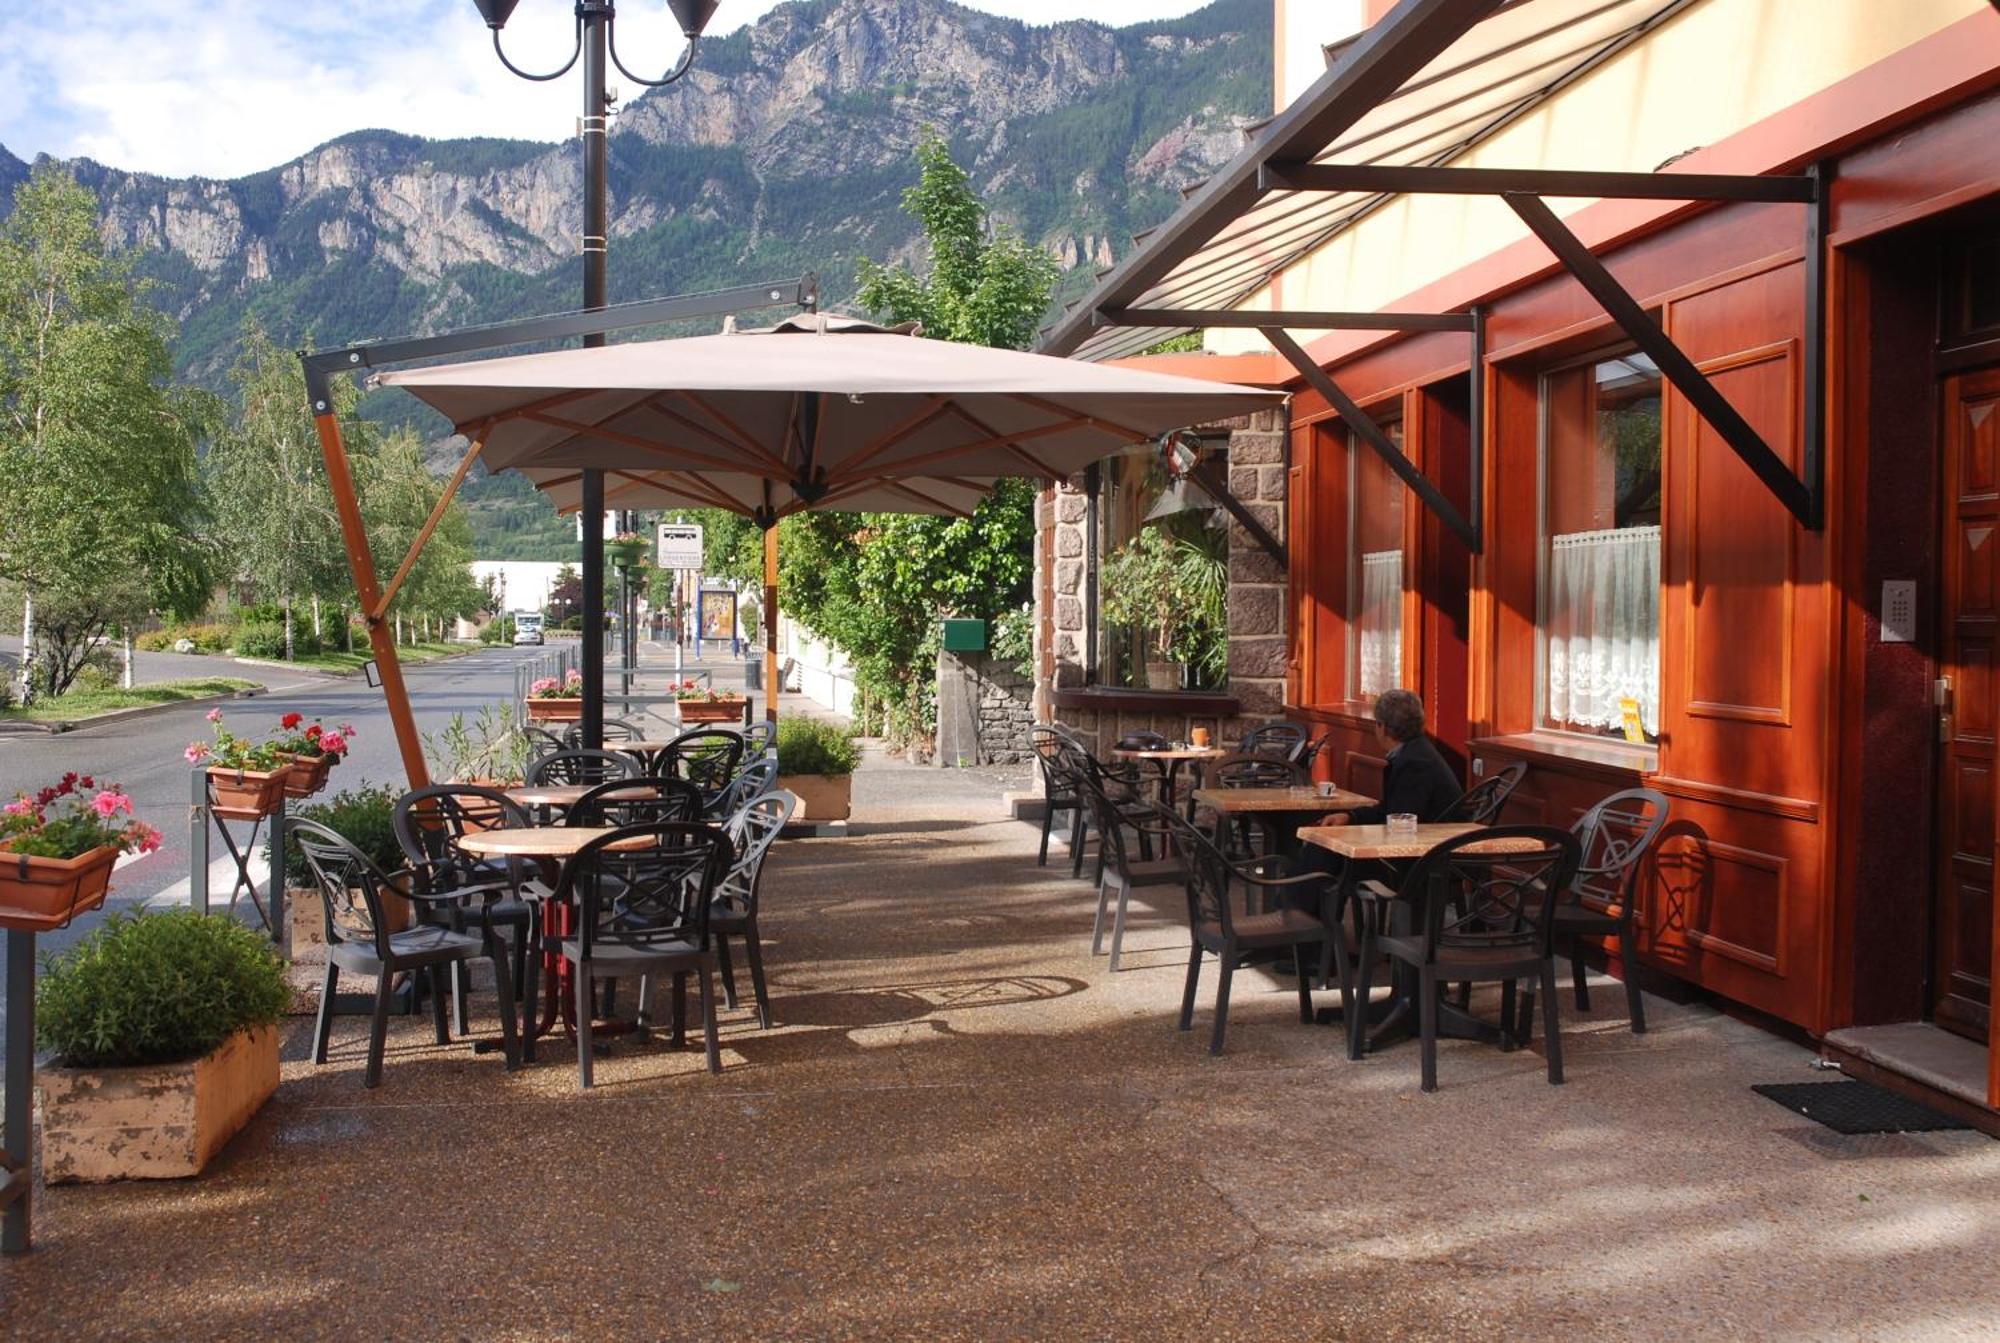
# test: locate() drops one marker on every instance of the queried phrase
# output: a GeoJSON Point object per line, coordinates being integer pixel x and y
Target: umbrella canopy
{"type": "Point", "coordinates": [818, 411]}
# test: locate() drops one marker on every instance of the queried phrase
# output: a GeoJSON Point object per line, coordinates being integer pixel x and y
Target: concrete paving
{"type": "Point", "coordinates": [963, 1127]}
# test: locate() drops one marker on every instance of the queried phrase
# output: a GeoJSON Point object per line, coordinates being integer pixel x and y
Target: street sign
{"type": "Point", "coordinates": [680, 545]}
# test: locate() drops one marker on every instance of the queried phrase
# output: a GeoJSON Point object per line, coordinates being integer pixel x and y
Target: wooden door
{"type": "Point", "coordinates": [1962, 906]}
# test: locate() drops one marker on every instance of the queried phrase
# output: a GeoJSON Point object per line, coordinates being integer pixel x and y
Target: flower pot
{"type": "Point", "coordinates": [1163, 675]}
{"type": "Point", "coordinates": [246, 794]}
{"type": "Point", "coordinates": [822, 797]}
{"type": "Point", "coordinates": [713, 711]}
{"type": "Point", "coordinates": [624, 554]}
{"type": "Point", "coordinates": [306, 774]}
{"type": "Point", "coordinates": [37, 894]}
{"type": "Point", "coordinates": [555, 710]}
{"type": "Point", "coordinates": [158, 1121]}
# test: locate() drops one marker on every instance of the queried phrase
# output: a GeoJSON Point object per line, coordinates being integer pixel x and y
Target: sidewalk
{"type": "Point", "coordinates": [964, 1127]}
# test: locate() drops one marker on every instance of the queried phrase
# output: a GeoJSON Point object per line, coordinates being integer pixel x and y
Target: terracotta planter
{"type": "Point", "coordinates": [713, 711]}
{"type": "Point", "coordinates": [161, 1121]}
{"type": "Point", "coordinates": [246, 794]}
{"type": "Point", "coordinates": [555, 710]}
{"type": "Point", "coordinates": [37, 894]}
{"type": "Point", "coordinates": [306, 774]}
{"type": "Point", "coordinates": [822, 797]}
{"type": "Point", "coordinates": [1163, 675]}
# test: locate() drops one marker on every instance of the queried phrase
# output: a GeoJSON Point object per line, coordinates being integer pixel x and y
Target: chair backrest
{"type": "Point", "coordinates": [1310, 752]}
{"type": "Point", "coordinates": [1283, 738]}
{"type": "Point", "coordinates": [758, 777]}
{"type": "Point", "coordinates": [1492, 890]}
{"type": "Point", "coordinates": [706, 757]}
{"type": "Point", "coordinates": [1254, 771]}
{"type": "Point", "coordinates": [541, 741]}
{"type": "Point", "coordinates": [647, 884]}
{"type": "Point", "coordinates": [1104, 806]}
{"type": "Point", "coordinates": [1615, 837]}
{"type": "Point", "coordinates": [1143, 740]}
{"type": "Point", "coordinates": [581, 765]}
{"type": "Point", "coordinates": [1209, 873]}
{"type": "Point", "coordinates": [429, 822]}
{"type": "Point", "coordinates": [1050, 741]}
{"type": "Point", "coordinates": [759, 737]}
{"type": "Point", "coordinates": [644, 801]}
{"type": "Point", "coordinates": [617, 729]}
{"type": "Point", "coordinates": [752, 830]}
{"type": "Point", "coordinates": [350, 885]}
{"type": "Point", "coordinates": [1481, 804]}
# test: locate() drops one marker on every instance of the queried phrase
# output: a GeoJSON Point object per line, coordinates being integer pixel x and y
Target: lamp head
{"type": "Point", "coordinates": [496, 12]}
{"type": "Point", "coordinates": [692, 15]}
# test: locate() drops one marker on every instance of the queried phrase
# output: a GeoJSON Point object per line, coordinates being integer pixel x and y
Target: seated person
{"type": "Point", "coordinates": [1417, 780]}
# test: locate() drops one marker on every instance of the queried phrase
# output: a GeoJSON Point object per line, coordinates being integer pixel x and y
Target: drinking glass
{"type": "Point", "coordinates": [1402, 823]}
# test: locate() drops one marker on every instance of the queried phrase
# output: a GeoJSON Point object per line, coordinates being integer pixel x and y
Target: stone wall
{"type": "Point", "coordinates": [1257, 600]}
{"type": "Point", "coordinates": [985, 709]}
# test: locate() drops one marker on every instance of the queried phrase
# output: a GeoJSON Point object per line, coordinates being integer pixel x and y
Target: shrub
{"type": "Point", "coordinates": [811, 746]}
{"type": "Point", "coordinates": [157, 988]}
{"type": "Point", "coordinates": [363, 816]}
{"type": "Point", "coordinates": [208, 638]}
{"type": "Point", "coordinates": [156, 641]}
{"type": "Point", "coordinates": [102, 669]}
{"type": "Point", "coordinates": [260, 640]}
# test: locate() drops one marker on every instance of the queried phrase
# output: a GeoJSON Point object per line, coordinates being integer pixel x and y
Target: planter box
{"type": "Point", "coordinates": [155, 1122]}
{"type": "Point", "coordinates": [555, 710]}
{"type": "Point", "coordinates": [713, 711]}
{"type": "Point", "coordinates": [306, 774]}
{"type": "Point", "coordinates": [246, 794]}
{"type": "Point", "coordinates": [37, 894]}
{"type": "Point", "coordinates": [822, 797]}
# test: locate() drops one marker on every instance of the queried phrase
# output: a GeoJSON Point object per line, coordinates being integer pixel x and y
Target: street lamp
{"type": "Point", "coordinates": [596, 21]}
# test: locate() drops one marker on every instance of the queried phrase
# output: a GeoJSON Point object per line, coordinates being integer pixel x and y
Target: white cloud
{"type": "Point", "coordinates": [227, 87]}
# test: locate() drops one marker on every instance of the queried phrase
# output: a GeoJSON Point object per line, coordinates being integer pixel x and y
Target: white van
{"type": "Point", "coordinates": [528, 628]}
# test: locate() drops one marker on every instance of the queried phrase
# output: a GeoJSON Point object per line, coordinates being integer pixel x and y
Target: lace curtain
{"type": "Point", "coordinates": [1603, 627]}
{"type": "Point", "coordinates": [1381, 622]}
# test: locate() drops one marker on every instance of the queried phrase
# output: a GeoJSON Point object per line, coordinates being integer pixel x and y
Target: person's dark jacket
{"type": "Point", "coordinates": [1417, 781]}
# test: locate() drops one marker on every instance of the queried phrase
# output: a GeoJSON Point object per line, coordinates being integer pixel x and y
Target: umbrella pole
{"type": "Point", "coordinates": [771, 623]}
{"type": "Point", "coordinates": [361, 563]}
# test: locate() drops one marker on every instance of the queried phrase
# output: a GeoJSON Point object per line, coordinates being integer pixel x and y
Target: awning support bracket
{"type": "Point", "coordinates": [1803, 498]}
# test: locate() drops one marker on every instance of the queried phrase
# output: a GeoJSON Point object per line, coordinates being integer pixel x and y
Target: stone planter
{"type": "Point", "coordinates": [557, 710]}
{"type": "Point", "coordinates": [695, 711]}
{"type": "Point", "coordinates": [246, 794]}
{"type": "Point", "coordinates": [307, 774]}
{"type": "Point", "coordinates": [822, 797]}
{"type": "Point", "coordinates": [161, 1121]}
{"type": "Point", "coordinates": [37, 894]}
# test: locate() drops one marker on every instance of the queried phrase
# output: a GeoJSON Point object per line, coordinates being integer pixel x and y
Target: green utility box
{"type": "Point", "coordinates": [965, 636]}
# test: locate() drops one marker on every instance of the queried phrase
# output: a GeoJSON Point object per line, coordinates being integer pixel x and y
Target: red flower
{"type": "Point", "coordinates": [291, 720]}
{"type": "Point", "coordinates": [313, 732]}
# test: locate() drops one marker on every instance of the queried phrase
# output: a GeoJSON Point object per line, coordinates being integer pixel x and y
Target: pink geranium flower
{"type": "Point", "coordinates": [109, 803]}
{"type": "Point", "coordinates": [333, 743]}
{"type": "Point", "coordinates": [215, 715]}
{"type": "Point", "coordinates": [196, 752]}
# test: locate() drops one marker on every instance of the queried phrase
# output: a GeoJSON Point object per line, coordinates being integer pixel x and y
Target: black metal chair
{"type": "Point", "coordinates": [644, 895]}
{"type": "Point", "coordinates": [734, 914]}
{"type": "Point", "coordinates": [1478, 909]}
{"type": "Point", "coordinates": [1117, 870]}
{"type": "Point", "coordinates": [706, 757]}
{"type": "Point", "coordinates": [1215, 927]}
{"type": "Point", "coordinates": [755, 779]}
{"type": "Point", "coordinates": [1243, 770]}
{"type": "Point", "coordinates": [1482, 803]}
{"type": "Point", "coordinates": [618, 729]}
{"type": "Point", "coordinates": [1284, 738]}
{"type": "Point", "coordinates": [492, 892]}
{"type": "Point", "coordinates": [581, 765]}
{"type": "Point", "coordinates": [1058, 788]}
{"type": "Point", "coordinates": [644, 801]}
{"type": "Point", "coordinates": [358, 940]}
{"type": "Point", "coordinates": [1602, 900]}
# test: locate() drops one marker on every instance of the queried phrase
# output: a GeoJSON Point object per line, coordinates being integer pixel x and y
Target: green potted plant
{"type": "Point", "coordinates": [1172, 592]}
{"type": "Point", "coordinates": [163, 1031]}
{"type": "Point", "coordinates": [313, 751]}
{"type": "Point", "coordinates": [57, 849]}
{"type": "Point", "coordinates": [816, 763]}
{"type": "Point", "coordinates": [552, 700]}
{"type": "Point", "coordinates": [625, 549]}
{"type": "Point", "coordinates": [491, 751]}
{"type": "Point", "coordinates": [249, 777]}
{"type": "Point", "coordinates": [705, 704]}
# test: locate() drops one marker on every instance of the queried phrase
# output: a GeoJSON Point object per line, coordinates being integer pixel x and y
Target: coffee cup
{"type": "Point", "coordinates": [1326, 788]}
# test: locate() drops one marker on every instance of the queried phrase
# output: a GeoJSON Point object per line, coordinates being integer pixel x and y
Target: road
{"type": "Point", "coordinates": [144, 755]}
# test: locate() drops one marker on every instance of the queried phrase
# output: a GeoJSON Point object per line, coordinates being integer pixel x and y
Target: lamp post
{"type": "Point", "coordinates": [596, 44]}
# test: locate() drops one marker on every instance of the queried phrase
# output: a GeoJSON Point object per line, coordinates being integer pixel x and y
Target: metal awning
{"type": "Point", "coordinates": [1399, 104]}
{"type": "Point", "coordinates": [1484, 75]}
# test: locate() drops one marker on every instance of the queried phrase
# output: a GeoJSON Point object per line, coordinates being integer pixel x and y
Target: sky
{"type": "Point", "coordinates": [221, 88]}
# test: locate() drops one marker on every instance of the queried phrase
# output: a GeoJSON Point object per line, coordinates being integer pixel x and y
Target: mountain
{"type": "Point", "coordinates": [786, 150]}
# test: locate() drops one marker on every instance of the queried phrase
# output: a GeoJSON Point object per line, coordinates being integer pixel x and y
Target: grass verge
{"type": "Point", "coordinates": [81, 704]}
{"type": "Point", "coordinates": [335, 660]}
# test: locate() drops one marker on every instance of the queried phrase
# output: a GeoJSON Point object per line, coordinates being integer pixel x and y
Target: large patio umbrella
{"type": "Point", "coordinates": [819, 411]}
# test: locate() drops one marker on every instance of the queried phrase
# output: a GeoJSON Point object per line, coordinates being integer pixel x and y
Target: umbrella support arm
{"type": "Point", "coordinates": [361, 564]}
{"type": "Point", "coordinates": [381, 608]}
{"type": "Point", "coordinates": [771, 623]}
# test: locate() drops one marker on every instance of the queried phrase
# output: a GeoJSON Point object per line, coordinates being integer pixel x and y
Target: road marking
{"type": "Point", "coordinates": [220, 873]}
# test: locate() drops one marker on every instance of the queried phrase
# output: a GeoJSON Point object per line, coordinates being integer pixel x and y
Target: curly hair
{"type": "Point", "coordinates": [1401, 714]}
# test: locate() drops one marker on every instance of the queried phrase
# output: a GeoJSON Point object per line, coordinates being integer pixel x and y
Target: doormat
{"type": "Point", "coordinates": [1857, 1107]}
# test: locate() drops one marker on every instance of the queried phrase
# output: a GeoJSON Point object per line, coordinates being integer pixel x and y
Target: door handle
{"type": "Point", "coordinates": [1944, 727]}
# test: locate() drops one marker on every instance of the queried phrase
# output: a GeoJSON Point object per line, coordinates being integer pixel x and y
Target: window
{"type": "Point", "coordinates": [1600, 548]}
{"type": "Point", "coordinates": [1374, 568]}
{"type": "Point", "coordinates": [1163, 575]}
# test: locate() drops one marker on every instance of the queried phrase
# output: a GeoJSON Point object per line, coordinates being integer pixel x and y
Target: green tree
{"type": "Point", "coordinates": [103, 510]}
{"type": "Point", "coordinates": [268, 479]}
{"type": "Point", "coordinates": [397, 492]}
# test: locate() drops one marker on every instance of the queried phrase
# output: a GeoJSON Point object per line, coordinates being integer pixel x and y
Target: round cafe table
{"type": "Point", "coordinates": [556, 796]}
{"type": "Point", "coordinates": [1168, 760]}
{"type": "Point", "coordinates": [555, 845]}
